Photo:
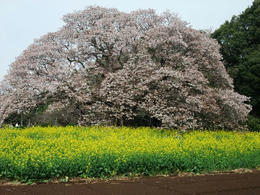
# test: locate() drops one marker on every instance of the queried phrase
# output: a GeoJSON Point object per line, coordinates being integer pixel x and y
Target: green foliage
{"type": "Point", "coordinates": [38, 153]}
{"type": "Point", "coordinates": [240, 47]}
{"type": "Point", "coordinates": [253, 123]}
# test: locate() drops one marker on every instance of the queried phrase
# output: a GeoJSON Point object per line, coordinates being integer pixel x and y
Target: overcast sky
{"type": "Point", "coordinates": [21, 21]}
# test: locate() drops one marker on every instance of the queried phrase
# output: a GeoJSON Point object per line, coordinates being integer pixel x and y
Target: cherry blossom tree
{"type": "Point", "coordinates": [112, 68]}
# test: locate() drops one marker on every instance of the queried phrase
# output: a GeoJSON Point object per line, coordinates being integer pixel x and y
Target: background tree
{"type": "Point", "coordinates": [240, 47]}
{"type": "Point", "coordinates": [107, 67]}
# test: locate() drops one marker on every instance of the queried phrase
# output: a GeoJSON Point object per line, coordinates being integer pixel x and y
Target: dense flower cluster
{"type": "Point", "coordinates": [43, 153]}
{"type": "Point", "coordinates": [113, 68]}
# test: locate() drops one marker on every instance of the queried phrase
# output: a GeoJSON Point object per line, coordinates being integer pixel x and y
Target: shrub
{"type": "Point", "coordinates": [253, 123]}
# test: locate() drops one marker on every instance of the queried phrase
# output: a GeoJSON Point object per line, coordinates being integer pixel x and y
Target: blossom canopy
{"type": "Point", "coordinates": [106, 67]}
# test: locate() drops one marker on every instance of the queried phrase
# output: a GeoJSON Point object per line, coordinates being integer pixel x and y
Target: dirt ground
{"type": "Point", "coordinates": [221, 183]}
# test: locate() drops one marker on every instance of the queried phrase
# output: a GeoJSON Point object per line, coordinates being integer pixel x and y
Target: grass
{"type": "Point", "coordinates": [40, 153]}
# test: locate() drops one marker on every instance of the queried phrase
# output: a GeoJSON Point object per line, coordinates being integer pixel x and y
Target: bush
{"type": "Point", "coordinates": [253, 123]}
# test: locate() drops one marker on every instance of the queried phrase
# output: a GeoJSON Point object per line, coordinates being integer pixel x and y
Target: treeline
{"type": "Point", "coordinates": [240, 47]}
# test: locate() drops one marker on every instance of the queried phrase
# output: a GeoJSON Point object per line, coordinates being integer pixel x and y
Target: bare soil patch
{"type": "Point", "coordinates": [235, 182]}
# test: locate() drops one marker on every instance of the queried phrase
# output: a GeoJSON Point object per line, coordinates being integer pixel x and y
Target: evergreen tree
{"type": "Point", "coordinates": [239, 40]}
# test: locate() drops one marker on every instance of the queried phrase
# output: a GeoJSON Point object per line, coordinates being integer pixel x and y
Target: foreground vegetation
{"type": "Point", "coordinates": [41, 153]}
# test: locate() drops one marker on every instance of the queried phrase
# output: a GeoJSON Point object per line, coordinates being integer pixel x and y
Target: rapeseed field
{"type": "Point", "coordinates": [55, 152]}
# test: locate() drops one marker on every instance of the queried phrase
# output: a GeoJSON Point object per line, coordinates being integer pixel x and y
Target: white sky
{"type": "Point", "coordinates": [21, 21]}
